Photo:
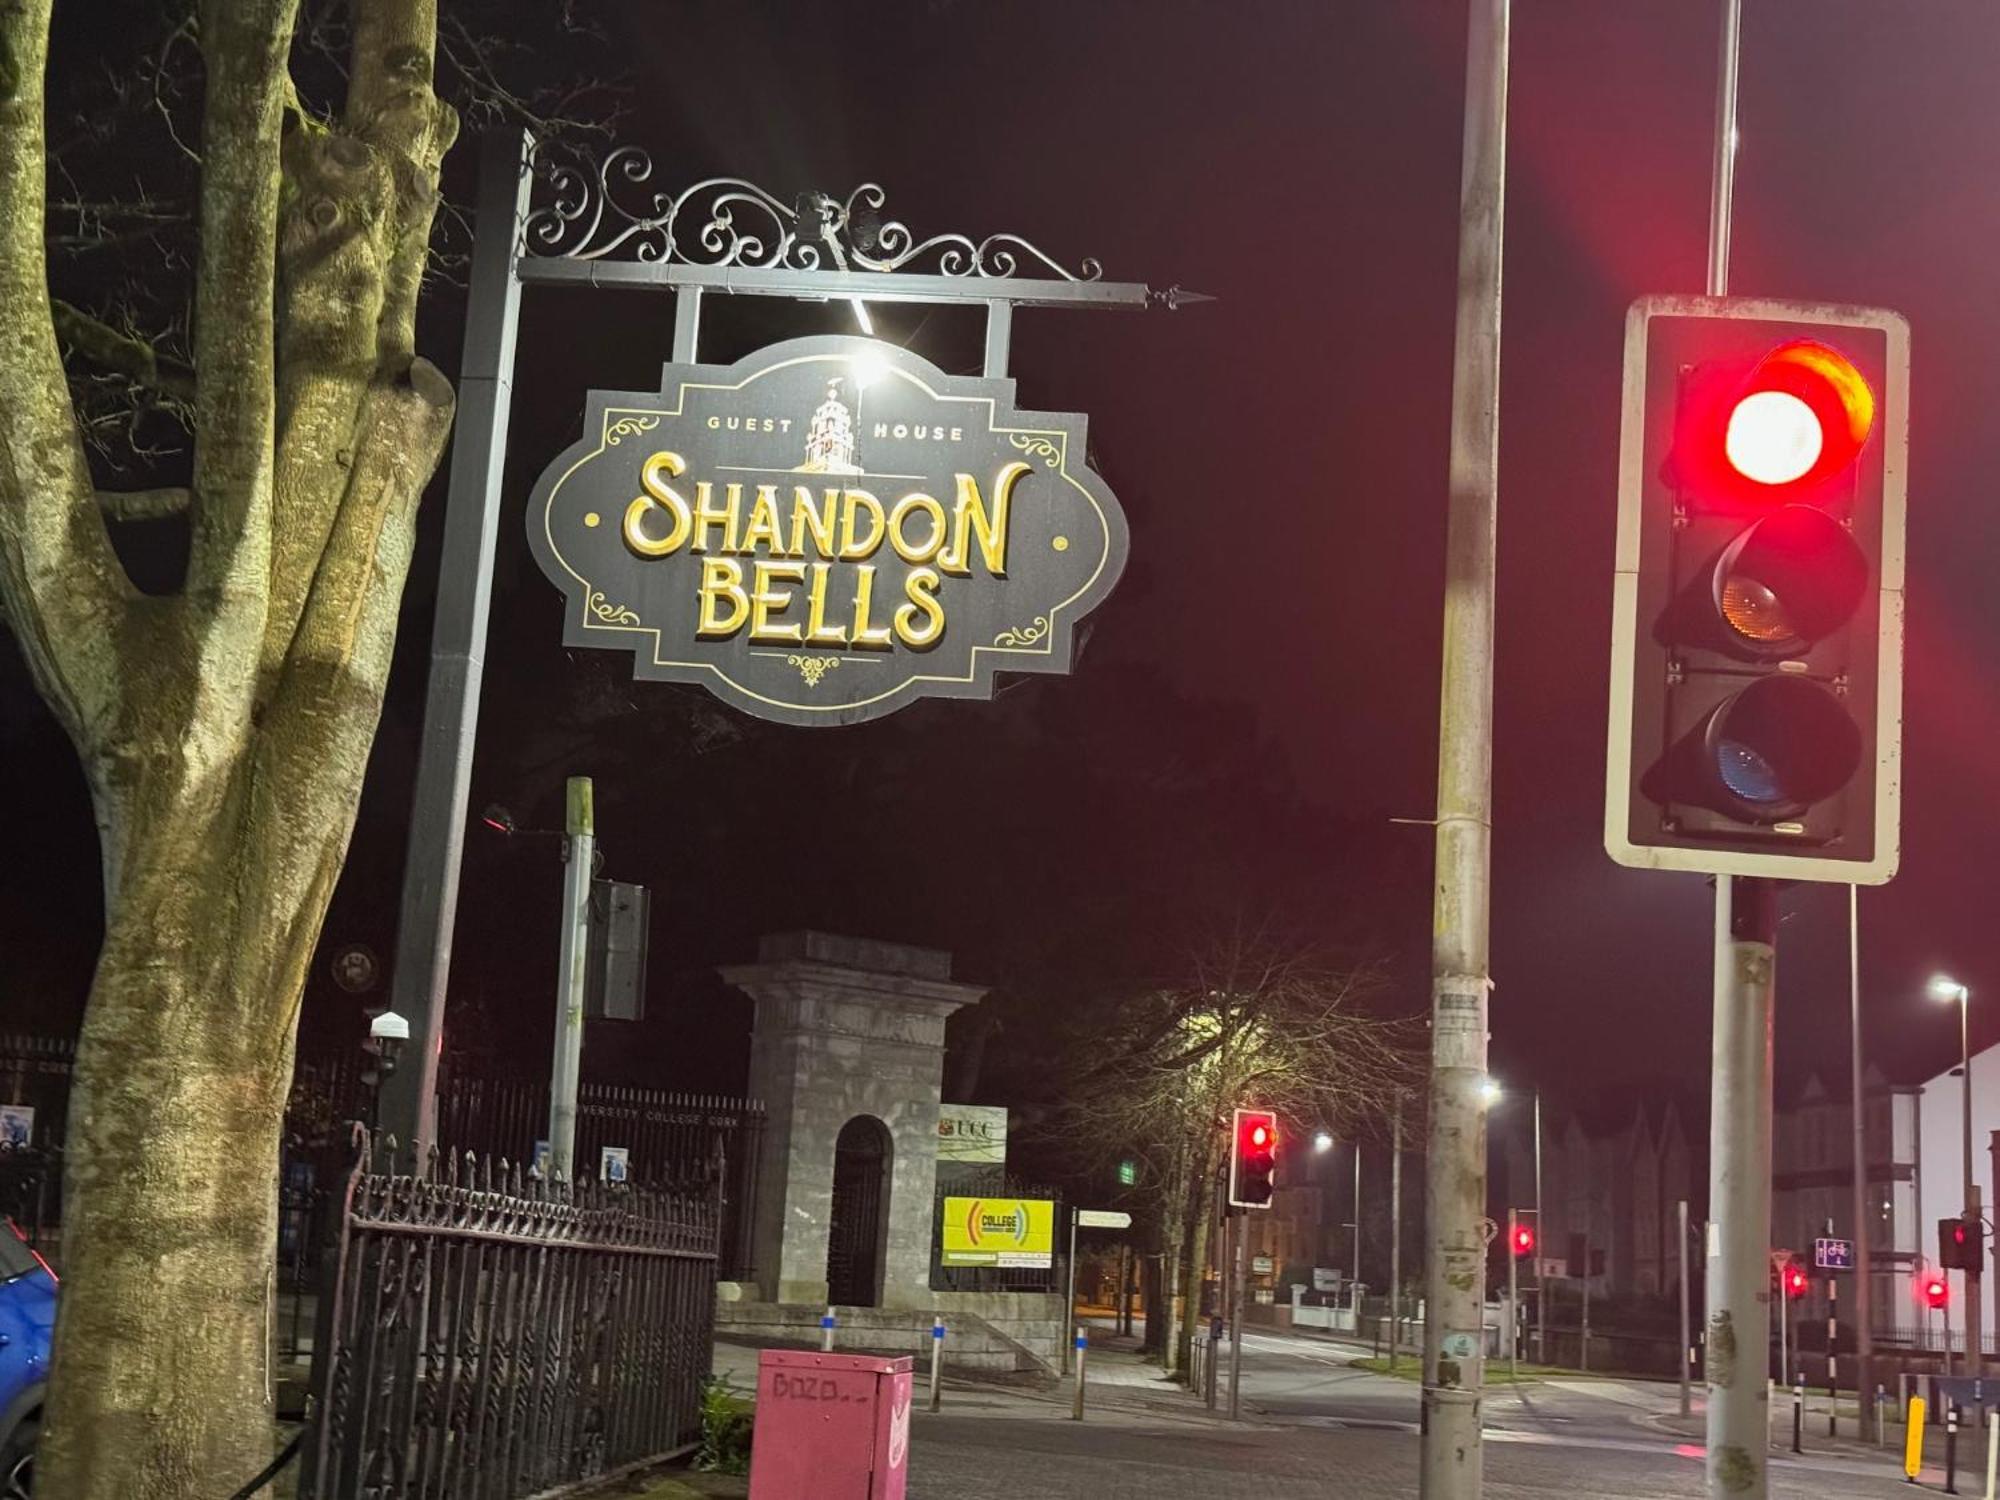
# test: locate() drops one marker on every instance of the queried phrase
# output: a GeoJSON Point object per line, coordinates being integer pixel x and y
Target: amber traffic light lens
{"type": "Point", "coordinates": [1787, 581]}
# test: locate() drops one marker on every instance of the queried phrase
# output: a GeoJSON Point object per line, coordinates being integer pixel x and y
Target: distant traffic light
{"type": "Point", "coordinates": [1756, 675]}
{"type": "Point", "coordinates": [1958, 1245]}
{"type": "Point", "coordinates": [1253, 1158]}
{"type": "Point", "coordinates": [1524, 1240]}
{"type": "Point", "coordinates": [1961, 1244]}
{"type": "Point", "coordinates": [1937, 1291]}
{"type": "Point", "coordinates": [1795, 1281]}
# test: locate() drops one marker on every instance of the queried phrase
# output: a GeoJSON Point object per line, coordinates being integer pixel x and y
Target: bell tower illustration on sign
{"type": "Point", "coordinates": [830, 439]}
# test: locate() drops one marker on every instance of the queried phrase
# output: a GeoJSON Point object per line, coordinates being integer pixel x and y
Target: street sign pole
{"type": "Point", "coordinates": [1069, 1305]}
{"type": "Point", "coordinates": [1451, 1458]}
{"type": "Point", "coordinates": [1687, 1338]}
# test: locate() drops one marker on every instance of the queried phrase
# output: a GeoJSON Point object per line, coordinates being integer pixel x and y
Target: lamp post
{"type": "Point", "coordinates": [1948, 989]}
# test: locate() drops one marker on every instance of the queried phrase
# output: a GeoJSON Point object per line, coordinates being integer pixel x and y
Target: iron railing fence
{"type": "Point", "coordinates": [667, 1138]}
{"type": "Point", "coordinates": [482, 1333]}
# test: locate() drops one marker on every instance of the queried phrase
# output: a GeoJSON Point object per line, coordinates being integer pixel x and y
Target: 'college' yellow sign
{"type": "Point", "coordinates": [1018, 1232]}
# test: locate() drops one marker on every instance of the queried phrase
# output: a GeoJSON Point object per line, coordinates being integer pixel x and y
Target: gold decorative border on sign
{"type": "Point", "coordinates": [812, 668]}
{"type": "Point", "coordinates": [1042, 644]}
{"type": "Point", "coordinates": [1024, 635]}
{"type": "Point", "coordinates": [613, 614]}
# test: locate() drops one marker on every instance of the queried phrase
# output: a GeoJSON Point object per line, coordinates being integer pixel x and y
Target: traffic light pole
{"type": "Point", "coordinates": [1451, 1461]}
{"type": "Point", "coordinates": [1746, 939]}
{"type": "Point", "coordinates": [1739, 1187]}
{"type": "Point", "coordinates": [1864, 1292]}
{"type": "Point", "coordinates": [1513, 1297]}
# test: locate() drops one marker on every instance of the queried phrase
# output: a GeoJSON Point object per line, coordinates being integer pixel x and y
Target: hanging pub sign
{"type": "Point", "coordinates": [827, 531]}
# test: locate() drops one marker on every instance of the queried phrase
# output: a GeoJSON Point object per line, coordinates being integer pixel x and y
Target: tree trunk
{"type": "Point", "coordinates": [163, 1358]}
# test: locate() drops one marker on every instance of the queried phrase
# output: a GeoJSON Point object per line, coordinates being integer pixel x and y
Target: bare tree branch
{"type": "Point", "coordinates": [131, 357]}
{"type": "Point", "coordinates": [65, 591]}
{"type": "Point", "coordinates": [144, 505]}
{"type": "Point", "coordinates": [244, 46]}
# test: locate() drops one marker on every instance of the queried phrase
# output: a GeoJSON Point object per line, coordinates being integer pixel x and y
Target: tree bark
{"type": "Point", "coordinates": [224, 732]}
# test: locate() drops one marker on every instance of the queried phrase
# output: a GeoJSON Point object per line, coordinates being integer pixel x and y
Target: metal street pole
{"type": "Point", "coordinates": [1357, 1212]}
{"type": "Point", "coordinates": [1395, 1237]}
{"type": "Point", "coordinates": [1451, 1460]}
{"type": "Point", "coordinates": [1687, 1335]}
{"type": "Point", "coordinates": [578, 845]}
{"type": "Point", "coordinates": [458, 640]}
{"type": "Point", "coordinates": [1975, 1332]}
{"type": "Point", "coordinates": [1739, 1268]}
{"type": "Point", "coordinates": [1864, 1293]}
{"type": "Point", "coordinates": [1236, 1320]}
{"type": "Point", "coordinates": [1541, 1288]}
{"type": "Point", "coordinates": [1746, 935]}
{"type": "Point", "coordinates": [1069, 1306]}
{"type": "Point", "coordinates": [1513, 1299]}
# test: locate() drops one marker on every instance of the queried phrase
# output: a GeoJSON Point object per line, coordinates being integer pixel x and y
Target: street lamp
{"type": "Point", "coordinates": [1947, 989]}
{"type": "Point", "coordinates": [1490, 1092]}
{"type": "Point", "coordinates": [1323, 1141]}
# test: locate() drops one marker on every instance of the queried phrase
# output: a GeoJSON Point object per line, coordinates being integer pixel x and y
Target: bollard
{"type": "Point", "coordinates": [1951, 1448]}
{"type": "Point", "coordinates": [1881, 1428]}
{"type": "Point", "coordinates": [1076, 1411]}
{"type": "Point", "coordinates": [1799, 1415]}
{"type": "Point", "coordinates": [826, 1332]}
{"type": "Point", "coordinates": [1913, 1440]}
{"type": "Point", "coordinates": [937, 1359]}
{"type": "Point", "coordinates": [1992, 1451]}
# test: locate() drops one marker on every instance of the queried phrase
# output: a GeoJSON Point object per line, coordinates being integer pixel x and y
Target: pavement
{"type": "Point", "coordinates": [1315, 1426]}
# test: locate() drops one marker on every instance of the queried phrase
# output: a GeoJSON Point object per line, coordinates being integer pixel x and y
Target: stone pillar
{"type": "Point", "coordinates": [845, 1027]}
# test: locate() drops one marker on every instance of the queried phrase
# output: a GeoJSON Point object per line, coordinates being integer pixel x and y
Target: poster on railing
{"type": "Point", "coordinates": [1007, 1232]}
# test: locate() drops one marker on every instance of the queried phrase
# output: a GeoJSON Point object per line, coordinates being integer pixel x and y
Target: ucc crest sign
{"type": "Point", "coordinates": [827, 531]}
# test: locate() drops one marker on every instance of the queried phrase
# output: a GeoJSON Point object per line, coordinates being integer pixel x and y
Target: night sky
{"type": "Point", "coordinates": [1281, 456]}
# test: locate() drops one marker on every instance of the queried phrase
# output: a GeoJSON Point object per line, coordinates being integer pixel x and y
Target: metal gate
{"type": "Point", "coordinates": [855, 1228]}
{"type": "Point", "coordinates": [479, 1334]}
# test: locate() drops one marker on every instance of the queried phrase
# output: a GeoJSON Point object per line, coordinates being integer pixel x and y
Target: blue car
{"type": "Point", "coordinates": [27, 1323]}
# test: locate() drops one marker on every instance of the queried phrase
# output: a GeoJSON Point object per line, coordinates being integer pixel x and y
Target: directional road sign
{"type": "Point", "coordinates": [1833, 1255]}
{"type": "Point", "coordinates": [1102, 1218]}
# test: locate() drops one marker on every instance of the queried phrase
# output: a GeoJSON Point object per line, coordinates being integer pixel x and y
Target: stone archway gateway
{"type": "Point", "coordinates": [810, 550]}
{"type": "Point", "coordinates": [857, 1224]}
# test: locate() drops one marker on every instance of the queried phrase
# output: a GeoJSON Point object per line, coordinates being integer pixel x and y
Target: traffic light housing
{"type": "Point", "coordinates": [1523, 1241]}
{"type": "Point", "coordinates": [1937, 1291]}
{"type": "Point", "coordinates": [1253, 1158]}
{"type": "Point", "coordinates": [1757, 620]}
{"type": "Point", "coordinates": [1794, 1279]}
{"type": "Point", "coordinates": [1960, 1245]}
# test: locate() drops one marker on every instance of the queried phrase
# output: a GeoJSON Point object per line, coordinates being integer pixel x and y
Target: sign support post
{"type": "Point", "coordinates": [579, 849]}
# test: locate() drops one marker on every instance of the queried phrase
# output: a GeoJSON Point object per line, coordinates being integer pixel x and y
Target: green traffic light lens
{"type": "Point", "coordinates": [1779, 746]}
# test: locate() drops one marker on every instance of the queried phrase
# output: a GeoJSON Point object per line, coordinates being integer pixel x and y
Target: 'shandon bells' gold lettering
{"type": "Point", "coordinates": [807, 550]}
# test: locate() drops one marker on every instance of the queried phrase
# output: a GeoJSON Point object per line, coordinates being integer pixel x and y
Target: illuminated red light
{"type": "Point", "coordinates": [1259, 1135]}
{"type": "Point", "coordinates": [1760, 432]}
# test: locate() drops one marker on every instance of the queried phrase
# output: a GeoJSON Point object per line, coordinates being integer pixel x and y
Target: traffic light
{"type": "Point", "coordinates": [1253, 1158]}
{"type": "Point", "coordinates": [1959, 1244]}
{"type": "Point", "coordinates": [1794, 1279]}
{"type": "Point", "coordinates": [1937, 1291]}
{"type": "Point", "coordinates": [1757, 619]}
{"type": "Point", "coordinates": [1523, 1240]}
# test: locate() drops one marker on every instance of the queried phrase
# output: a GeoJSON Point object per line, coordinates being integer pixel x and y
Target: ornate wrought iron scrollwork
{"type": "Point", "coordinates": [588, 213]}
